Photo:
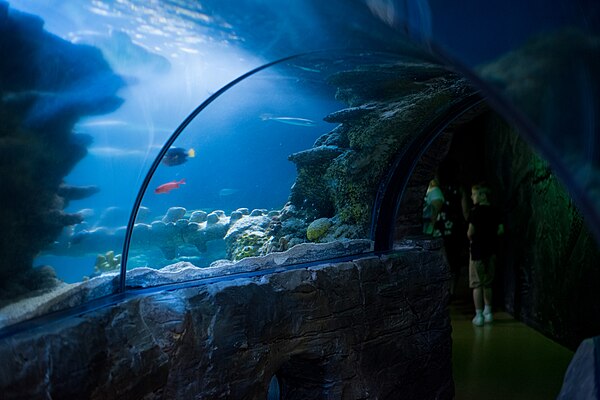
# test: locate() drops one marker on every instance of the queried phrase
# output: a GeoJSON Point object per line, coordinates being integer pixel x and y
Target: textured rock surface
{"type": "Point", "coordinates": [370, 328]}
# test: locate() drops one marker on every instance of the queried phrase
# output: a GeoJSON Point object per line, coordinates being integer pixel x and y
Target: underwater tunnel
{"type": "Point", "coordinates": [196, 187]}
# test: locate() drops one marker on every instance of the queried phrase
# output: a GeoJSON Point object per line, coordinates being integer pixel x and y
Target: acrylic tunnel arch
{"type": "Point", "coordinates": [301, 111]}
{"type": "Point", "coordinates": [160, 156]}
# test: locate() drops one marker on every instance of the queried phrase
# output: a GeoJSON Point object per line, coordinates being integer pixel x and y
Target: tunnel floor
{"type": "Point", "coordinates": [504, 360]}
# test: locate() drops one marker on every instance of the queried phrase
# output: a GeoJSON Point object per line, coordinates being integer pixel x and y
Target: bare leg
{"type": "Point", "coordinates": [478, 320]}
{"type": "Point", "coordinates": [487, 296]}
{"type": "Point", "coordinates": [478, 298]}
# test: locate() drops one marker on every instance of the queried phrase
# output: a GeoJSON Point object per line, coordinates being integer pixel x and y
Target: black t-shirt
{"type": "Point", "coordinates": [485, 219]}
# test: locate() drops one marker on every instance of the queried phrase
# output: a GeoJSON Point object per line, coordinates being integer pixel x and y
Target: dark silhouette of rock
{"type": "Point", "coordinates": [47, 84]}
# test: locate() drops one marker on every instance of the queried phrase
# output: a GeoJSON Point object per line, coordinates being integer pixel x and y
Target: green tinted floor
{"type": "Point", "coordinates": [505, 360]}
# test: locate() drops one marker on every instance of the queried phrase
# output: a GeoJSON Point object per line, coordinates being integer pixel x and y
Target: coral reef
{"type": "Point", "coordinates": [248, 244]}
{"type": "Point", "coordinates": [107, 262]}
{"type": "Point", "coordinates": [241, 234]}
{"type": "Point", "coordinates": [47, 84]}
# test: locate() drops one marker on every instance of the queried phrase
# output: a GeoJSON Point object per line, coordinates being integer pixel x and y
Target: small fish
{"type": "Point", "coordinates": [167, 187]}
{"type": "Point", "coordinates": [306, 68]}
{"type": "Point", "coordinates": [102, 123]}
{"type": "Point", "coordinates": [288, 120]}
{"type": "Point", "coordinates": [177, 156]}
{"type": "Point", "coordinates": [227, 192]}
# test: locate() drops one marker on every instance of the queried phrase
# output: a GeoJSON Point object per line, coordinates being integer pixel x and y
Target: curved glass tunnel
{"type": "Point", "coordinates": [92, 92]}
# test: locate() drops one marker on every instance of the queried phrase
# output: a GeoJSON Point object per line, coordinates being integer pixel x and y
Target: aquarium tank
{"type": "Point", "coordinates": [147, 143]}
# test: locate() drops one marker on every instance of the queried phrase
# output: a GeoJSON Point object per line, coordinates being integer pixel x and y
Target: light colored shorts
{"type": "Point", "coordinates": [481, 272]}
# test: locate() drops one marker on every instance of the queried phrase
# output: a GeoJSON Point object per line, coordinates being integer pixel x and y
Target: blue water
{"type": "Point", "coordinates": [241, 159]}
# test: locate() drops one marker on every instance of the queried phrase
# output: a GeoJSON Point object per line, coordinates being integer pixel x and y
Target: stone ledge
{"type": "Point", "coordinates": [372, 327]}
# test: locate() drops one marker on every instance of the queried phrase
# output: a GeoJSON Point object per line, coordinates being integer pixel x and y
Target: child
{"type": "Point", "coordinates": [484, 228]}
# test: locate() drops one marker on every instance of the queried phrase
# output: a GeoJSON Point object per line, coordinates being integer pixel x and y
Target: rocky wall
{"type": "Point", "coordinates": [373, 327]}
{"type": "Point", "coordinates": [550, 259]}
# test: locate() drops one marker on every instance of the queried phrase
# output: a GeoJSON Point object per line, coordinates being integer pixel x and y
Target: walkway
{"type": "Point", "coordinates": [505, 360]}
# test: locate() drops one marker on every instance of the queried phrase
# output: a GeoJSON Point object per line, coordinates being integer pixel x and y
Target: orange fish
{"type": "Point", "coordinates": [167, 187]}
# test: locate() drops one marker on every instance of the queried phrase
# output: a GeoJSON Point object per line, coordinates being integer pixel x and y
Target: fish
{"type": "Point", "coordinates": [102, 123]}
{"type": "Point", "coordinates": [227, 192]}
{"type": "Point", "coordinates": [177, 156]}
{"type": "Point", "coordinates": [288, 120]}
{"type": "Point", "coordinates": [306, 68]}
{"type": "Point", "coordinates": [167, 187]}
{"type": "Point", "coordinates": [107, 151]}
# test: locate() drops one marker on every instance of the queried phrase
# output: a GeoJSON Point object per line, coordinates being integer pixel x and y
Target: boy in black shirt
{"type": "Point", "coordinates": [484, 228]}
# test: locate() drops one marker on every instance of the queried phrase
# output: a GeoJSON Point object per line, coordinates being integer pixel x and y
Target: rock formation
{"type": "Point", "coordinates": [47, 84]}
